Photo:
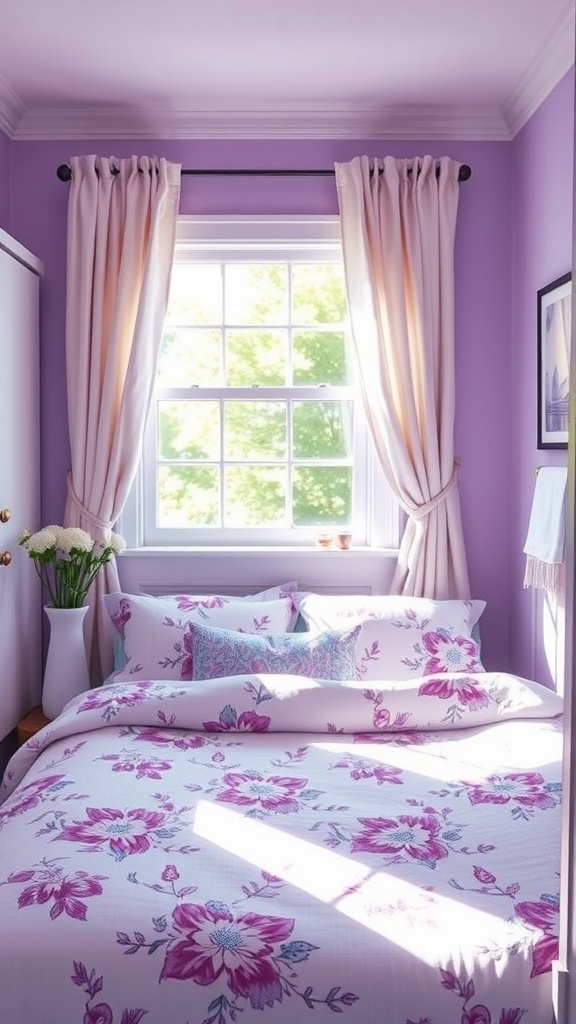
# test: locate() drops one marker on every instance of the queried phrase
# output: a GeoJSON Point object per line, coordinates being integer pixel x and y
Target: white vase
{"type": "Point", "coordinates": [66, 669]}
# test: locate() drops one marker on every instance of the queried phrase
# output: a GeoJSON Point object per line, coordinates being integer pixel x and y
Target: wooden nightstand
{"type": "Point", "coordinates": [31, 724]}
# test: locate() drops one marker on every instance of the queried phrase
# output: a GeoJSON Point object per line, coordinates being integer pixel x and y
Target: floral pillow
{"type": "Point", "coordinates": [204, 603]}
{"type": "Point", "coordinates": [154, 631]}
{"type": "Point", "coordinates": [218, 653]}
{"type": "Point", "coordinates": [401, 637]}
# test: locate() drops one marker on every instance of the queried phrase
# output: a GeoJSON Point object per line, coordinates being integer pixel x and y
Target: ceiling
{"type": "Point", "coordinates": [471, 69]}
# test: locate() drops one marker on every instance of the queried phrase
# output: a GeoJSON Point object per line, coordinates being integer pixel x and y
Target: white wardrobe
{"type": "Point", "coordinates": [20, 592]}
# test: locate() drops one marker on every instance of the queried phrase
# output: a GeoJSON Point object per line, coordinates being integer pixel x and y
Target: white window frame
{"type": "Point", "coordinates": [376, 519]}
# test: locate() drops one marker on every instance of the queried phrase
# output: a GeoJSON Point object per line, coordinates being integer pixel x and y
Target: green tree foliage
{"type": "Point", "coordinates": [322, 495]}
{"type": "Point", "coordinates": [279, 328]}
{"type": "Point", "coordinates": [189, 496]}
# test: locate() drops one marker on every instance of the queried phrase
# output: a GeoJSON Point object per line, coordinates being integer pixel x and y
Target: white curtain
{"type": "Point", "coordinates": [398, 221]}
{"type": "Point", "coordinates": [121, 233]}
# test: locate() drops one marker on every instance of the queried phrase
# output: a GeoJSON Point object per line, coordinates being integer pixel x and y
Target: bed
{"type": "Point", "coordinates": [276, 845]}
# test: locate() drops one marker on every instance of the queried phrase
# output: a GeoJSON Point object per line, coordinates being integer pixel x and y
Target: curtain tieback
{"type": "Point", "coordinates": [419, 511]}
{"type": "Point", "coordinates": [102, 525]}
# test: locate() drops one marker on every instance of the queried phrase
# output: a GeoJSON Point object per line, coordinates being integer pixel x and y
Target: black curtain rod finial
{"type": "Point", "coordinates": [64, 172]}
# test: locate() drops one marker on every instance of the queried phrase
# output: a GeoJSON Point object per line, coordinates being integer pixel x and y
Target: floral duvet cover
{"type": "Point", "coordinates": [274, 848]}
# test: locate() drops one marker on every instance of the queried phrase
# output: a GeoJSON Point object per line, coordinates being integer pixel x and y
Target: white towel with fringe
{"type": "Point", "coordinates": [546, 538]}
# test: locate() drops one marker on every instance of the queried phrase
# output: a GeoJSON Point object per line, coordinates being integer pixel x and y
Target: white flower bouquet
{"type": "Point", "coordinates": [68, 560]}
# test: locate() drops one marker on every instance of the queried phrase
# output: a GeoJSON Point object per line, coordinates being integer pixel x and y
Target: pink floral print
{"type": "Point", "coordinates": [528, 789]}
{"type": "Point", "coordinates": [465, 691]}
{"type": "Point", "coordinates": [381, 717]}
{"type": "Point", "coordinates": [155, 632]}
{"type": "Point", "coordinates": [249, 951]}
{"type": "Point", "coordinates": [363, 768]}
{"type": "Point", "coordinates": [142, 767]}
{"type": "Point", "coordinates": [31, 796]}
{"type": "Point", "coordinates": [168, 877]}
{"type": "Point", "coordinates": [379, 817]}
{"type": "Point", "coordinates": [273, 793]}
{"type": "Point", "coordinates": [179, 739]}
{"type": "Point", "coordinates": [123, 832]}
{"type": "Point", "coordinates": [170, 873]}
{"type": "Point", "coordinates": [407, 738]}
{"type": "Point", "coordinates": [216, 942]}
{"type": "Point", "coordinates": [478, 1013]}
{"type": "Point", "coordinates": [488, 884]}
{"type": "Point", "coordinates": [415, 836]}
{"type": "Point", "coordinates": [365, 655]}
{"type": "Point", "coordinates": [448, 653]}
{"type": "Point", "coordinates": [230, 721]}
{"type": "Point", "coordinates": [121, 616]}
{"type": "Point", "coordinates": [542, 915]}
{"type": "Point", "coordinates": [65, 894]}
{"type": "Point", "coordinates": [110, 700]}
{"type": "Point", "coordinates": [100, 1013]}
{"type": "Point", "coordinates": [184, 652]}
{"type": "Point", "coordinates": [184, 603]}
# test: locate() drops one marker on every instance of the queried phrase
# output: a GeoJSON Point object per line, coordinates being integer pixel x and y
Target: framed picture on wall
{"type": "Point", "coordinates": [554, 330]}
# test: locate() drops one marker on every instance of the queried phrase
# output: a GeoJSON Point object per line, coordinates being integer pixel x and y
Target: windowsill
{"type": "Point", "coordinates": [261, 550]}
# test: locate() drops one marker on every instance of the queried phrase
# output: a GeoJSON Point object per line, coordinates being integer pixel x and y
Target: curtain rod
{"type": "Point", "coordinates": [64, 173]}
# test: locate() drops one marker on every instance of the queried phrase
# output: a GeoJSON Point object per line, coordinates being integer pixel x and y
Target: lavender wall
{"type": "Point", "coordinates": [542, 251]}
{"type": "Point", "coordinates": [4, 182]}
{"type": "Point", "coordinates": [484, 368]}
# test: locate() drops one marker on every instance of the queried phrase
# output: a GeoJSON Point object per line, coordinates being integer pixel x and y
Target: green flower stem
{"type": "Point", "coordinates": [75, 575]}
{"type": "Point", "coordinates": [67, 561]}
{"type": "Point", "coordinates": [68, 580]}
{"type": "Point", "coordinates": [45, 581]}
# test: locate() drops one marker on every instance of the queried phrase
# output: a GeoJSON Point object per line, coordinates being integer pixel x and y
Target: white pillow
{"type": "Point", "coordinates": [150, 631]}
{"type": "Point", "coordinates": [401, 637]}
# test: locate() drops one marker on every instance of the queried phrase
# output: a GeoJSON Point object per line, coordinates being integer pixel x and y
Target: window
{"type": "Point", "coordinates": [256, 434]}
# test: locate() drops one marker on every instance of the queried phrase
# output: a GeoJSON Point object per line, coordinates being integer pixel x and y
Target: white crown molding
{"type": "Point", "coordinates": [552, 62]}
{"type": "Point", "coordinates": [12, 110]}
{"type": "Point", "coordinates": [394, 123]}
{"type": "Point", "coordinates": [442, 122]}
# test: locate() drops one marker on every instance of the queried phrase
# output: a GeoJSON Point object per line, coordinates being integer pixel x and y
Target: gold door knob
{"type": "Point", "coordinates": [5, 558]}
{"type": "Point", "coordinates": [4, 515]}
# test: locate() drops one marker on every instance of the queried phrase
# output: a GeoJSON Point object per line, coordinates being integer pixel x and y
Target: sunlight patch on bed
{"type": "Point", "coordinates": [511, 744]}
{"type": "Point", "coordinates": [432, 927]}
{"type": "Point", "coordinates": [422, 762]}
{"type": "Point", "coordinates": [322, 873]}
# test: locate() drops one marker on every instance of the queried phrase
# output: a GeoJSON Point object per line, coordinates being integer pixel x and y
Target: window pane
{"type": "Point", "coordinates": [190, 356]}
{"type": "Point", "coordinates": [320, 357]}
{"type": "Point", "coordinates": [256, 435]}
{"type": "Point", "coordinates": [254, 430]}
{"type": "Point", "coordinates": [318, 293]}
{"type": "Point", "coordinates": [322, 430]}
{"type": "Point", "coordinates": [255, 496]}
{"type": "Point", "coordinates": [189, 430]}
{"type": "Point", "coordinates": [322, 495]}
{"type": "Point", "coordinates": [195, 294]}
{"type": "Point", "coordinates": [256, 293]}
{"type": "Point", "coordinates": [256, 357]}
{"type": "Point", "coordinates": [188, 496]}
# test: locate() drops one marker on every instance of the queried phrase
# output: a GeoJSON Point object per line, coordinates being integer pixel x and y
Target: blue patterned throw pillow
{"type": "Point", "coordinates": [224, 652]}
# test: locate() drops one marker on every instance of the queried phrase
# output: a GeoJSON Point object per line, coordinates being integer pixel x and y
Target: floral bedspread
{"type": "Point", "coordinates": [273, 848]}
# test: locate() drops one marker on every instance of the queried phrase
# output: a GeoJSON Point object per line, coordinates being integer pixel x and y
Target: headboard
{"type": "Point", "coordinates": [240, 572]}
